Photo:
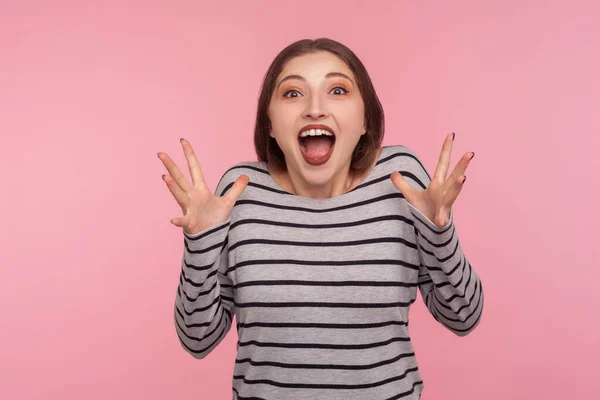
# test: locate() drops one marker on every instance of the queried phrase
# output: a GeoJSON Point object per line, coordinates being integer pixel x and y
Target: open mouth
{"type": "Point", "coordinates": [316, 146]}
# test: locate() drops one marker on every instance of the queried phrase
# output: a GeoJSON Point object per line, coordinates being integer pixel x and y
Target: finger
{"type": "Point", "coordinates": [180, 196]}
{"type": "Point", "coordinates": [194, 165]}
{"type": "Point", "coordinates": [402, 185]}
{"type": "Point", "coordinates": [441, 169]}
{"type": "Point", "coordinates": [179, 221]}
{"type": "Point", "coordinates": [460, 168]}
{"type": "Point", "coordinates": [443, 217]}
{"type": "Point", "coordinates": [236, 189]}
{"type": "Point", "coordinates": [453, 191]}
{"type": "Point", "coordinates": [174, 172]}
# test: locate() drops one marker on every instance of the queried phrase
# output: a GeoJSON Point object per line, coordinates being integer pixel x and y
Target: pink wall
{"type": "Point", "coordinates": [90, 263]}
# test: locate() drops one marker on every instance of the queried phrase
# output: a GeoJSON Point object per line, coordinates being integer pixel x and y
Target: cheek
{"type": "Point", "coordinates": [285, 132]}
{"type": "Point", "coordinates": [351, 117]}
{"type": "Point", "coordinates": [354, 124]}
{"type": "Point", "coordinates": [282, 118]}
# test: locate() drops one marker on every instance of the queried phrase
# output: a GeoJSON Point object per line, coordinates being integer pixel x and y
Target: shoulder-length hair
{"type": "Point", "coordinates": [365, 151]}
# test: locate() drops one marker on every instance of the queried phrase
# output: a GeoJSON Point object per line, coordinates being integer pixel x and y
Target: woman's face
{"type": "Point", "coordinates": [316, 89]}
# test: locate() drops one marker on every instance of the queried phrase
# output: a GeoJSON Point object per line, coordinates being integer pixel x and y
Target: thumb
{"type": "Point", "coordinates": [237, 188]}
{"type": "Point", "coordinates": [401, 184]}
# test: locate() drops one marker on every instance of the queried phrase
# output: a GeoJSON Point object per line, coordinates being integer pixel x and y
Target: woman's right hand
{"type": "Point", "coordinates": [201, 209]}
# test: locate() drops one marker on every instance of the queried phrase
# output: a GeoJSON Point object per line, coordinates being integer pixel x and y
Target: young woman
{"type": "Point", "coordinates": [319, 247]}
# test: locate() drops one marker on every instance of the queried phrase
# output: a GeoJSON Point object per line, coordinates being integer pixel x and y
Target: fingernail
{"type": "Point", "coordinates": [473, 156]}
{"type": "Point", "coordinates": [163, 177]}
{"type": "Point", "coordinates": [181, 139]}
{"type": "Point", "coordinates": [464, 180]}
{"type": "Point", "coordinates": [453, 136]}
{"type": "Point", "coordinates": [172, 222]}
{"type": "Point", "coordinates": [158, 154]}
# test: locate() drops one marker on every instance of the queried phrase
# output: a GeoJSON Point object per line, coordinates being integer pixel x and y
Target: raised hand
{"type": "Point", "coordinates": [201, 209]}
{"type": "Point", "coordinates": [436, 201]}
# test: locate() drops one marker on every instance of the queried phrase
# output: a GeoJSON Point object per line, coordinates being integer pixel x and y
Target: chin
{"type": "Point", "coordinates": [319, 175]}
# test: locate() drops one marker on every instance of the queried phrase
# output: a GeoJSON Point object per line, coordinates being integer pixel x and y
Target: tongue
{"type": "Point", "coordinates": [317, 146]}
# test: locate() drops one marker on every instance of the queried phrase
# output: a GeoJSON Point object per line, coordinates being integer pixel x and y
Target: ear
{"type": "Point", "coordinates": [269, 125]}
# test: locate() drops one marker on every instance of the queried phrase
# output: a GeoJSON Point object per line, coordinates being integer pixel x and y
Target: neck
{"type": "Point", "coordinates": [342, 182]}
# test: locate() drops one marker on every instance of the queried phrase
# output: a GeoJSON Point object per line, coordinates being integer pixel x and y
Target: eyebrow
{"type": "Point", "coordinates": [329, 75]}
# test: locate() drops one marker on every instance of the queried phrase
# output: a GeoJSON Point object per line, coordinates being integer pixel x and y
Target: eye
{"type": "Point", "coordinates": [294, 90]}
{"type": "Point", "coordinates": [290, 91]}
{"type": "Point", "coordinates": [340, 87]}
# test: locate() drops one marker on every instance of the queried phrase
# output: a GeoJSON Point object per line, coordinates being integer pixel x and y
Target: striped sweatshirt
{"type": "Point", "coordinates": [321, 288]}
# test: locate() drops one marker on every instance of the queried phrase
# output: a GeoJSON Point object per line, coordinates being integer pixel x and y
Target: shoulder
{"type": "Point", "coordinates": [406, 161]}
{"type": "Point", "coordinates": [400, 156]}
{"type": "Point", "coordinates": [251, 169]}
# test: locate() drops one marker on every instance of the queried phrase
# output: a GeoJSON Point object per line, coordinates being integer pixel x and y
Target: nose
{"type": "Point", "coordinates": [315, 108]}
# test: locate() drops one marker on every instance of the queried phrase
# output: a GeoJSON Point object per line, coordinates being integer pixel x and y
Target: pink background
{"type": "Point", "coordinates": [91, 91]}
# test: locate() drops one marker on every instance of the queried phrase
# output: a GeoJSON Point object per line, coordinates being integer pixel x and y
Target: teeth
{"type": "Point", "coordinates": [315, 132]}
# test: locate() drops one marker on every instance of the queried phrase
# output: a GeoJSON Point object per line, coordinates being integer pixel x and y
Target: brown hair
{"type": "Point", "coordinates": [363, 156]}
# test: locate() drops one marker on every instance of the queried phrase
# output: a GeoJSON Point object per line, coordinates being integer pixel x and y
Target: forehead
{"type": "Point", "coordinates": [315, 66]}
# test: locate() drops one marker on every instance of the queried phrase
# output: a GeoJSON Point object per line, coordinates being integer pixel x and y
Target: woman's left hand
{"type": "Point", "coordinates": [436, 201]}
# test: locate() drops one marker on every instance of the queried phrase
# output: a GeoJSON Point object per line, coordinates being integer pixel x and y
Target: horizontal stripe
{"type": "Point", "coordinates": [455, 286]}
{"type": "Point", "coordinates": [456, 312]}
{"type": "Point", "coordinates": [205, 234]}
{"type": "Point", "coordinates": [405, 154]}
{"type": "Point", "coordinates": [323, 345]}
{"type": "Point", "coordinates": [201, 324]}
{"type": "Point", "coordinates": [320, 304]}
{"type": "Point", "coordinates": [318, 210]}
{"type": "Point", "coordinates": [321, 226]}
{"type": "Point", "coordinates": [318, 325]}
{"type": "Point", "coordinates": [325, 283]}
{"type": "Point", "coordinates": [407, 393]}
{"type": "Point", "coordinates": [396, 397]}
{"type": "Point", "coordinates": [250, 167]}
{"type": "Point", "coordinates": [463, 328]}
{"type": "Point", "coordinates": [209, 334]}
{"type": "Point", "coordinates": [384, 178]}
{"type": "Point", "coordinates": [432, 230]}
{"type": "Point", "coordinates": [323, 385]}
{"type": "Point", "coordinates": [220, 245]}
{"type": "Point", "coordinates": [322, 263]}
{"type": "Point", "coordinates": [357, 367]}
{"type": "Point", "coordinates": [198, 284]}
{"type": "Point", "coordinates": [197, 267]}
{"type": "Point", "coordinates": [200, 294]}
{"type": "Point", "coordinates": [448, 274]}
{"type": "Point", "coordinates": [239, 397]}
{"type": "Point", "coordinates": [460, 295]}
{"type": "Point", "coordinates": [442, 259]}
{"type": "Point", "coordinates": [439, 245]}
{"type": "Point", "coordinates": [219, 337]}
{"type": "Point", "coordinates": [214, 301]}
{"type": "Point", "coordinates": [322, 244]}
{"type": "Point", "coordinates": [254, 185]}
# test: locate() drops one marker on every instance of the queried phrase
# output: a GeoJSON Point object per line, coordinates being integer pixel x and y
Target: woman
{"type": "Point", "coordinates": [319, 247]}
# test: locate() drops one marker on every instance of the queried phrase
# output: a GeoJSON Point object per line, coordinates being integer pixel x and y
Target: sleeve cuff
{"type": "Point", "coordinates": [423, 224]}
{"type": "Point", "coordinates": [208, 231]}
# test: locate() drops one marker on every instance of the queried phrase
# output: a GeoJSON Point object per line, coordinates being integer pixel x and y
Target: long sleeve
{"type": "Point", "coordinates": [450, 287]}
{"type": "Point", "coordinates": [204, 305]}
